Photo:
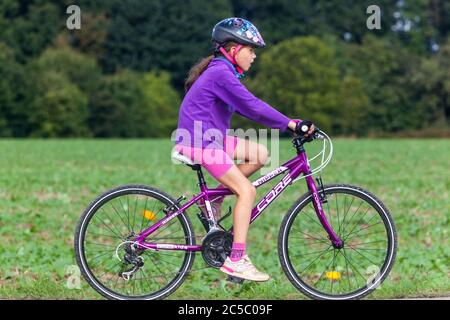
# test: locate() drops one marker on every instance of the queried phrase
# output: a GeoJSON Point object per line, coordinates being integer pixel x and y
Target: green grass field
{"type": "Point", "coordinates": [46, 184]}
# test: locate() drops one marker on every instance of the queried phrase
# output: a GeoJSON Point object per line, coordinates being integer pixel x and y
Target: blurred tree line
{"type": "Point", "coordinates": [122, 74]}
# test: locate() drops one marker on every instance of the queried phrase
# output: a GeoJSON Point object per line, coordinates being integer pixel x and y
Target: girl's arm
{"type": "Point", "coordinates": [234, 93]}
{"type": "Point", "coordinates": [292, 124]}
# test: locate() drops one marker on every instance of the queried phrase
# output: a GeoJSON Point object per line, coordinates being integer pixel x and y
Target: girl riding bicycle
{"type": "Point", "coordinates": [213, 94]}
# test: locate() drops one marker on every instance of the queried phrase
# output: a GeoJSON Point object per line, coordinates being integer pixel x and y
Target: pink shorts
{"type": "Point", "coordinates": [216, 161]}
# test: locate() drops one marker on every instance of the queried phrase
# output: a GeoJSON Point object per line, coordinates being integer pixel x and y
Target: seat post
{"type": "Point", "coordinates": [201, 178]}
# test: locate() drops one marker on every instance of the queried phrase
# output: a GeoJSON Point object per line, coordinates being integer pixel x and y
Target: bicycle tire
{"type": "Point", "coordinates": [101, 201]}
{"type": "Point", "coordinates": [304, 283]}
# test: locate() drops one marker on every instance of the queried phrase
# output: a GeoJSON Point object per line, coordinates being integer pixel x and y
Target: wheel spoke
{"type": "Point", "coordinates": [313, 220]}
{"type": "Point", "coordinates": [341, 228]}
{"type": "Point", "coordinates": [126, 214]}
{"type": "Point", "coordinates": [100, 244]}
{"type": "Point", "coordinates": [143, 215]}
{"type": "Point", "coordinates": [339, 222]}
{"type": "Point", "coordinates": [313, 238]}
{"type": "Point", "coordinates": [353, 267]}
{"type": "Point", "coordinates": [333, 270]}
{"type": "Point", "coordinates": [328, 249]}
{"type": "Point", "coordinates": [134, 213]}
{"type": "Point", "coordinates": [367, 235]}
{"type": "Point", "coordinates": [309, 253]}
{"type": "Point", "coordinates": [359, 221]}
{"type": "Point", "coordinates": [357, 251]}
{"type": "Point", "coordinates": [326, 268]}
{"type": "Point", "coordinates": [100, 255]}
{"type": "Point", "coordinates": [157, 267]}
{"type": "Point", "coordinates": [107, 227]}
{"type": "Point", "coordinates": [120, 216]}
{"type": "Point", "coordinates": [104, 235]}
{"type": "Point", "coordinates": [362, 229]}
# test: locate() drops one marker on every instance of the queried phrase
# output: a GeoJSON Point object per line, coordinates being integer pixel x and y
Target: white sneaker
{"type": "Point", "coordinates": [243, 269]}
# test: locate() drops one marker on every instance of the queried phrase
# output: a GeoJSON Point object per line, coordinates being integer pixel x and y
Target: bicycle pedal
{"type": "Point", "coordinates": [235, 280]}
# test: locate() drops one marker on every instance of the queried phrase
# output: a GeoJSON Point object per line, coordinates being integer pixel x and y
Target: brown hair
{"type": "Point", "coordinates": [201, 66]}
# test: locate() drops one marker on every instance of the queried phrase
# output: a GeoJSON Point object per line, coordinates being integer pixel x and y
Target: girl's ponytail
{"type": "Point", "coordinates": [196, 71]}
{"type": "Point", "coordinates": [200, 67]}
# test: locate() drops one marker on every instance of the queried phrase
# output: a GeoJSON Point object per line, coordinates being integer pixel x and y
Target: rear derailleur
{"type": "Point", "coordinates": [131, 257]}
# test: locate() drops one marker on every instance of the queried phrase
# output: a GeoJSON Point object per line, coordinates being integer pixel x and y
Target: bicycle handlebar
{"type": "Point", "coordinates": [303, 127]}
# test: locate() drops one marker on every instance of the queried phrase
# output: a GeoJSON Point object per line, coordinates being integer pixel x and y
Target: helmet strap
{"type": "Point", "coordinates": [232, 59]}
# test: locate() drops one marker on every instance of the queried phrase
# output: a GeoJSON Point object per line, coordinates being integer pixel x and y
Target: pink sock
{"type": "Point", "coordinates": [237, 251]}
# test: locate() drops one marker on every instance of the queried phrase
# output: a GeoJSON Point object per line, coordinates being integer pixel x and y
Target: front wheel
{"type": "Point", "coordinates": [321, 271]}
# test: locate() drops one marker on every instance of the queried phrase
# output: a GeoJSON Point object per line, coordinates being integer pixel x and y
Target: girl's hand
{"type": "Point", "coordinates": [293, 126]}
{"type": "Point", "coordinates": [311, 130]}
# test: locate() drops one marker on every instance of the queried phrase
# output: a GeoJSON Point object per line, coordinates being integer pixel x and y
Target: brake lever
{"type": "Point", "coordinates": [315, 135]}
{"type": "Point", "coordinates": [318, 135]}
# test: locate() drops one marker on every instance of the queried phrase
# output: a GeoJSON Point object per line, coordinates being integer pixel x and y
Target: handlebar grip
{"type": "Point", "coordinates": [303, 127]}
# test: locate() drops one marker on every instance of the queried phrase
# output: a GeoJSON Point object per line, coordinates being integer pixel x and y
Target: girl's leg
{"type": "Point", "coordinates": [239, 264]}
{"type": "Point", "coordinates": [235, 178]}
{"type": "Point", "coordinates": [254, 155]}
{"type": "Point", "coordinates": [245, 197]}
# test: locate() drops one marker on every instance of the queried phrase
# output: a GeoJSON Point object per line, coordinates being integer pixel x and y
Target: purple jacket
{"type": "Point", "coordinates": [212, 100]}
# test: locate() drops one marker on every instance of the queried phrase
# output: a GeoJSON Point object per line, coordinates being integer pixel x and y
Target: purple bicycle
{"type": "Point", "coordinates": [335, 242]}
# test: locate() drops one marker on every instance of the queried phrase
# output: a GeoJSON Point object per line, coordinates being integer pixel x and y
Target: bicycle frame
{"type": "Point", "coordinates": [294, 167]}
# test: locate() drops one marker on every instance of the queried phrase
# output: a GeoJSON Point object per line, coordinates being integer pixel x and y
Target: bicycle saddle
{"type": "Point", "coordinates": [179, 158]}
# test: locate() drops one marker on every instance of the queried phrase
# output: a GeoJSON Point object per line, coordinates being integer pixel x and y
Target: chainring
{"type": "Point", "coordinates": [216, 247]}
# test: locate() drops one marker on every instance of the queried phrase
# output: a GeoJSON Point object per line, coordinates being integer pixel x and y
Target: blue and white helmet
{"type": "Point", "coordinates": [237, 30]}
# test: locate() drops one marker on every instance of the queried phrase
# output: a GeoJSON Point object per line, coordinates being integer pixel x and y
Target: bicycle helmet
{"type": "Point", "coordinates": [237, 30]}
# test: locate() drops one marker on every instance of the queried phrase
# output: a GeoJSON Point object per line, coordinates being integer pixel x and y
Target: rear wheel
{"type": "Point", "coordinates": [109, 260]}
{"type": "Point", "coordinates": [321, 271]}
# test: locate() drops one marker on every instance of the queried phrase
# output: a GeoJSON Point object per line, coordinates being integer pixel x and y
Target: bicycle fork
{"type": "Point", "coordinates": [318, 199]}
